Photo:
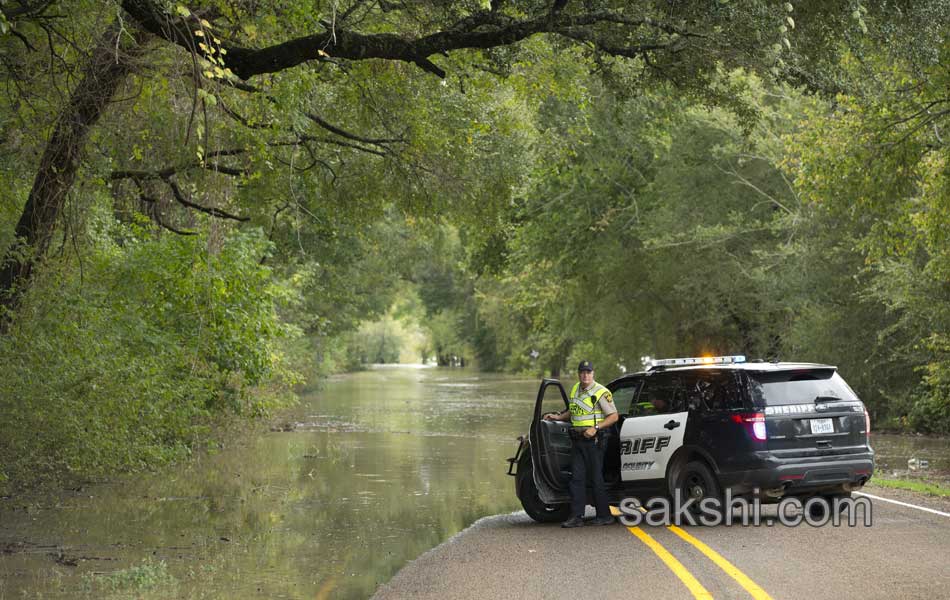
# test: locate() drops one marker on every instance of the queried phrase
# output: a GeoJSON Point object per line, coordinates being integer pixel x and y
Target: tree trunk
{"type": "Point", "coordinates": [106, 69]}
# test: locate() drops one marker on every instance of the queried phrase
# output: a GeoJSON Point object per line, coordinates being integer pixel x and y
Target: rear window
{"type": "Point", "coordinates": [778, 388]}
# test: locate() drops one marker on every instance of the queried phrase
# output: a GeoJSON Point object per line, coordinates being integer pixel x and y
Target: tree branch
{"type": "Point", "coordinates": [26, 9]}
{"type": "Point", "coordinates": [351, 136]}
{"type": "Point", "coordinates": [156, 216]}
{"type": "Point", "coordinates": [23, 39]}
{"type": "Point", "coordinates": [224, 170]}
{"type": "Point", "coordinates": [210, 210]}
{"type": "Point", "coordinates": [322, 140]}
{"type": "Point", "coordinates": [166, 175]}
{"type": "Point", "coordinates": [485, 29]}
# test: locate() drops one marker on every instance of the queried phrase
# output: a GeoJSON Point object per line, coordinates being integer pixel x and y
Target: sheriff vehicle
{"type": "Point", "coordinates": [705, 424]}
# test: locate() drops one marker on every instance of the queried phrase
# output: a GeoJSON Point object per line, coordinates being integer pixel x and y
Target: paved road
{"type": "Point", "coordinates": [905, 553]}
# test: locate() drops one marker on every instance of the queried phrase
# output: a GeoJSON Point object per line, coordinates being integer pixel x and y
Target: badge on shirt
{"type": "Point", "coordinates": [608, 397]}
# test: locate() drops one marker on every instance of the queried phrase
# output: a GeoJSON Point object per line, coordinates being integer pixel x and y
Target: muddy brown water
{"type": "Point", "coordinates": [377, 468]}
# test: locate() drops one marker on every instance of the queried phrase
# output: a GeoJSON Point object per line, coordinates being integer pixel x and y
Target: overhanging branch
{"type": "Point", "coordinates": [209, 210]}
{"type": "Point", "coordinates": [167, 175]}
{"type": "Point", "coordinates": [156, 215]}
{"type": "Point", "coordinates": [352, 136]}
{"type": "Point", "coordinates": [481, 30]}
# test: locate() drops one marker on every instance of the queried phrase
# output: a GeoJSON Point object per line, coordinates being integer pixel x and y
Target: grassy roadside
{"type": "Point", "coordinates": [923, 487]}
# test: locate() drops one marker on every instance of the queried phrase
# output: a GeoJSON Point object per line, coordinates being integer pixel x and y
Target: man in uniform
{"type": "Point", "coordinates": [660, 405]}
{"type": "Point", "coordinates": [591, 412]}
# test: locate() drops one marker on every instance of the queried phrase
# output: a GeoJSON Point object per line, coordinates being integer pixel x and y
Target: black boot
{"type": "Point", "coordinates": [573, 522]}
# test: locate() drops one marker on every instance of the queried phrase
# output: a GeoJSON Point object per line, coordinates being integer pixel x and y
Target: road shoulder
{"type": "Point", "coordinates": [941, 503]}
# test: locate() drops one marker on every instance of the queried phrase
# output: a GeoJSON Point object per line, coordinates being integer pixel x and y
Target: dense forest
{"type": "Point", "coordinates": [207, 204]}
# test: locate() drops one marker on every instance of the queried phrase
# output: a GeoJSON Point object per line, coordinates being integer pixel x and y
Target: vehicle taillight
{"type": "Point", "coordinates": [754, 422]}
{"type": "Point", "coordinates": [867, 422]}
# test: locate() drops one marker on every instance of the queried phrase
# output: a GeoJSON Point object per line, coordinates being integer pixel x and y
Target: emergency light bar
{"type": "Point", "coordinates": [698, 360]}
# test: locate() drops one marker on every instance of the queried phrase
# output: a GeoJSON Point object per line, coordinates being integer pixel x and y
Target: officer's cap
{"type": "Point", "coordinates": [585, 366]}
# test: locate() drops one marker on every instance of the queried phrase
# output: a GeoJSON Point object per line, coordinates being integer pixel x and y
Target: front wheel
{"type": "Point", "coordinates": [536, 508]}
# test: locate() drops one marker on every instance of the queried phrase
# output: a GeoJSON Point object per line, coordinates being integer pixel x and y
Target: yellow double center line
{"type": "Point", "coordinates": [691, 583]}
{"type": "Point", "coordinates": [676, 566]}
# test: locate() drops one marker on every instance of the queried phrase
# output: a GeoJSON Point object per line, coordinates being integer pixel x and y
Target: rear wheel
{"type": "Point", "coordinates": [536, 508]}
{"type": "Point", "coordinates": [820, 510]}
{"type": "Point", "coordinates": [695, 480]}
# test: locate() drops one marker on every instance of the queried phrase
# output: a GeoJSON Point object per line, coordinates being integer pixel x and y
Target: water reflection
{"type": "Point", "coordinates": [902, 456]}
{"type": "Point", "coordinates": [376, 468]}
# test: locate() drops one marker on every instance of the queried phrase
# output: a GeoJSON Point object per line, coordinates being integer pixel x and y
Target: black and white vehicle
{"type": "Point", "coordinates": [702, 425]}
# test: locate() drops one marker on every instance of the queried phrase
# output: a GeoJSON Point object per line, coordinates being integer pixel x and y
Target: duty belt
{"type": "Point", "coordinates": [577, 433]}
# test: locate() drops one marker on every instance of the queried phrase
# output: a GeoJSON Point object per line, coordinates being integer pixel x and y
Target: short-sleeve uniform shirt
{"type": "Point", "coordinates": [606, 402]}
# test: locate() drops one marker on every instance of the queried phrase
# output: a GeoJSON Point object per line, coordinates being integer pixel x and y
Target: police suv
{"type": "Point", "coordinates": [701, 425]}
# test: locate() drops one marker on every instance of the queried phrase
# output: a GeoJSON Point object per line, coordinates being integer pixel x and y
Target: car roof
{"type": "Point", "coordinates": [744, 366]}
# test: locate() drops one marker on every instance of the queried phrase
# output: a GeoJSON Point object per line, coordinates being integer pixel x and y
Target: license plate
{"type": "Point", "coordinates": [822, 426]}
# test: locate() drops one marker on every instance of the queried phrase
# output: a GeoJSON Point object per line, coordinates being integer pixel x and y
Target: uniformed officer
{"type": "Point", "coordinates": [591, 412]}
{"type": "Point", "coordinates": [660, 405]}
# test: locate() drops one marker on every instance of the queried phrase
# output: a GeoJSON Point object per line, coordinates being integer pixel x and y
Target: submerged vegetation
{"type": "Point", "coordinates": [197, 218]}
{"type": "Point", "coordinates": [132, 582]}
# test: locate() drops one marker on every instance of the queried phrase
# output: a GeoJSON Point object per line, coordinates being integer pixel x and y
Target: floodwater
{"type": "Point", "coordinates": [925, 458]}
{"type": "Point", "coordinates": [376, 468]}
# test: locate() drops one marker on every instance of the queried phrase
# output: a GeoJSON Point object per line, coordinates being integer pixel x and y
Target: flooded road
{"type": "Point", "coordinates": [372, 470]}
{"type": "Point", "coordinates": [378, 467]}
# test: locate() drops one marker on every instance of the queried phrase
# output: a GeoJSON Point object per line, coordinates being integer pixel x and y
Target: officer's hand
{"type": "Point", "coordinates": [548, 416]}
{"type": "Point", "coordinates": [590, 432]}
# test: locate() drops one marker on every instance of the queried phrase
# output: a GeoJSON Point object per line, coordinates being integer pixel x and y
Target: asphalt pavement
{"type": "Point", "coordinates": [904, 553]}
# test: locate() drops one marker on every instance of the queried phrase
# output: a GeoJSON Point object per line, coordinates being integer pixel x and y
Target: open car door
{"type": "Point", "coordinates": [550, 444]}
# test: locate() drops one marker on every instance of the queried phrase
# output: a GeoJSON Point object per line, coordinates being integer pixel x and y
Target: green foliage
{"type": "Point", "coordinates": [445, 328]}
{"type": "Point", "coordinates": [931, 413]}
{"type": "Point", "coordinates": [133, 580]}
{"type": "Point", "coordinates": [376, 342]}
{"type": "Point", "coordinates": [612, 251]}
{"type": "Point", "coordinates": [876, 163]}
{"type": "Point", "coordinates": [126, 364]}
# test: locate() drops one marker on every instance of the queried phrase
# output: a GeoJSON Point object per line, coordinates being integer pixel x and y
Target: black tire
{"type": "Point", "coordinates": [817, 510]}
{"type": "Point", "coordinates": [532, 503]}
{"type": "Point", "coordinates": [696, 480]}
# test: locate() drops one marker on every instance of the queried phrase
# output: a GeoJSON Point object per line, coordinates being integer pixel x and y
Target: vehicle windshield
{"type": "Point", "coordinates": [777, 388]}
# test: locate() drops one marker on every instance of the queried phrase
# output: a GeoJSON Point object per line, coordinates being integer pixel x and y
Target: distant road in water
{"type": "Point", "coordinates": [905, 553]}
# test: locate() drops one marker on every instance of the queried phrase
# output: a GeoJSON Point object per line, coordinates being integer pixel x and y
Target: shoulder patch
{"type": "Point", "coordinates": [608, 397]}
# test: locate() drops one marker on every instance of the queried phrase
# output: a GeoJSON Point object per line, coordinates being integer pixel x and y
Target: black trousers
{"type": "Point", "coordinates": [587, 463]}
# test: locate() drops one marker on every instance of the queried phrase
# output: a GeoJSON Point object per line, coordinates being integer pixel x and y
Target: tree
{"type": "Point", "coordinates": [227, 45]}
{"type": "Point", "coordinates": [876, 164]}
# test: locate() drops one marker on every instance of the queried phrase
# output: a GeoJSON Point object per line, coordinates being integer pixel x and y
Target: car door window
{"type": "Point", "coordinates": [709, 391]}
{"type": "Point", "coordinates": [624, 395]}
{"type": "Point", "coordinates": [678, 403]}
{"type": "Point", "coordinates": [553, 401]}
{"type": "Point", "coordinates": [658, 395]}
